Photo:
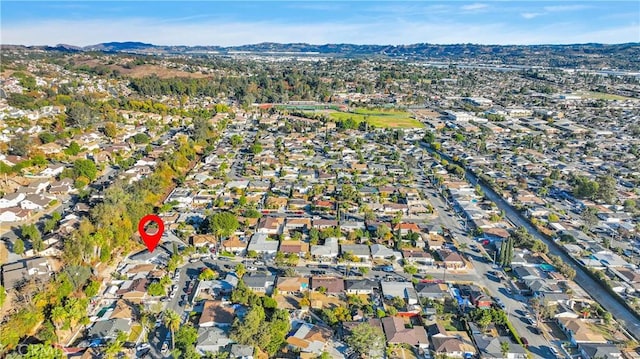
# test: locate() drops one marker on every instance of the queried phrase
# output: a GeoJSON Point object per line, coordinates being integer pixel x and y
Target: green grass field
{"type": "Point", "coordinates": [603, 96]}
{"type": "Point", "coordinates": [380, 118]}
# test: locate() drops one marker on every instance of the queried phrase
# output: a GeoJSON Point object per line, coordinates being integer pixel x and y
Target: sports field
{"type": "Point", "coordinates": [379, 118]}
{"type": "Point", "coordinates": [603, 96]}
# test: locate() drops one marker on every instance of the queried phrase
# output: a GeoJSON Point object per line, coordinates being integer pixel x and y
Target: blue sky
{"type": "Point", "coordinates": [318, 22]}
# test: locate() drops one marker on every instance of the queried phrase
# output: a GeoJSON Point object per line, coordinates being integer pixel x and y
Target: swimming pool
{"type": "Point", "coordinates": [547, 267]}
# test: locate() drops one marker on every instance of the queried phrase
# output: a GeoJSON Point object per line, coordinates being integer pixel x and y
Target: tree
{"type": "Point", "coordinates": [186, 336]}
{"type": "Point", "coordinates": [255, 148]}
{"type": "Point", "coordinates": [43, 351]}
{"type": "Point", "coordinates": [79, 115]}
{"type": "Point", "coordinates": [607, 189]}
{"type": "Point", "coordinates": [629, 205]}
{"type": "Point", "coordinates": [553, 218]}
{"type": "Point", "coordinates": [504, 349]}
{"type": "Point", "coordinates": [18, 247]}
{"type": "Point", "coordinates": [366, 339]}
{"type": "Point", "coordinates": [141, 138]}
{"type": "Point", "coordinates": [20, 145]}
{"type": "Point", "coordinates": [240, 270]}
{"type": "Point", "coordinates": [235, 140]}
{"type": "Point", "coordinates": [506, 252]}
{"type": "Point", "coordinates": [73, 149]}
{"type": "Point", "coordinates": [110, 130]}
{"type": "Point", "coordinates": [589, 217]}
{"type": "Point", "coordinates": [85, 168]}
{"type": "Point", "coordinates": [409, 269]}
{"type": "Point", "coordinates": [3, 296]}
{"type": "Point", "coordinates": [382, 231]}
{"type": "Point", "coordinates": [485, 319]}
{"type": "Point", "coordinates": [58, 316]}
{"type": "Point", "coordinates": [92, 288]}
{"type": "Point", "coordinates": [208, 274]}
{"type": "Point", "coordinates": [46, 137]}
{"type": "Point", "coordinates": [539, 247]}
{"type": "Point", "coordinates": [172, 321]}
{"type": "Point", "coordinates": [31, 232]}
{"type": "Point", "coordinates": [223, 224]}
{"type": "Point", "coordinates": [156, 289]}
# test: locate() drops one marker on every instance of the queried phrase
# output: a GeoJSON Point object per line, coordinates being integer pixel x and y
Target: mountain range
{"type": "Point", "coordinates": [591, 55]}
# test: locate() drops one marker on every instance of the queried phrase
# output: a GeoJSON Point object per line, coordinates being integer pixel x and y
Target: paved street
{"type": "Point", "coordinates": [625, 317]}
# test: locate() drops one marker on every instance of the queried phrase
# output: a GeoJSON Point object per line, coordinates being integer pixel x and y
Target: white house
{"type": "Point", "coordinates": [11, 200]}
{"type": "Point", "coordinates": [52, 171]}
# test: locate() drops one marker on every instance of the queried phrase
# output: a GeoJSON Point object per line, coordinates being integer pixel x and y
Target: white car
{"type": "Point", "coordinates": [143, 346]}
{"type": "Point", "coordinates": [554, 351]}
{"type": "Point", "coordinates": [252, 268]}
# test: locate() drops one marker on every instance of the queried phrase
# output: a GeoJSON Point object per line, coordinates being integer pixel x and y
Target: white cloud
{"type": "Point", "coordinates": [474, 7]}
{"type": "Point", "coordinates": [563, 8]}
{"type": "Point", "coordinates": [225, 33]}
{"type": "Point", "coordinates": [531, 15]}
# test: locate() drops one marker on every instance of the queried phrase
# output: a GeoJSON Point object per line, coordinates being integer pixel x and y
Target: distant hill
{"type": "Point", "coordinates": [619, 56]}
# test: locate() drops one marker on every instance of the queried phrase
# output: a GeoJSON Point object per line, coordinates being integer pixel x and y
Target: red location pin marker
{"type": "Point", "coordinates": [151, 240]}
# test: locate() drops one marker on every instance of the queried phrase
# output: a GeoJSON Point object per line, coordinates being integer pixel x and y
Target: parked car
{"type": "Point", "coordinates": [524, 341]}
{"type": "Point", "coordinates": [554, 351]}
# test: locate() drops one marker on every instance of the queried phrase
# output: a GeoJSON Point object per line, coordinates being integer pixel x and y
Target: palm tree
{"type": "Point", "coordinates": [58, 316]}
{"type": "Point", "coordinates": [172, 321]}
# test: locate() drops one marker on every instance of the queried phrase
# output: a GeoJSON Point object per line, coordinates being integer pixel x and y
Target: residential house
{"type": "Point", "coordinates": [294, 247]}
{"type": "Point", "coordinates": [234, 245]}
{"type": "Point", "coordinates": [418, 258]}
{"type": "Point", "coordinates": [260, 282]}
{"type": "Point", "coordinates": [360, 286]}
{"type": "Point", "coordinates": [309, 338]}
{"type": "Point", "coordinates": [452, 260]}
{"type": "Point", "coordinates": [328, 250]}
{"type": "Point", "coordinates": [292, 285]}
{"type": "Point", "coordinates": [134, 291]}
{"type": "Point", "coordinates": [451, 345]}
{"type": "Point", "coordinates": [123, 310]}
{"type": "Point", "coordinates": [262, 244]}
{"type": "Point", "coordinates": [16, 273]}
{"type": "Point", "coordinates": [333, 285]}
{"type": "Point", "coordinates": [360, 251]}
{"type": "Point", "coordinates": [405, 228]}
{"type": "Point", "coordinates": [239, 351]}
{"type": "Point", "coordinates": [579, 332]}
{"type": "Point", "coordinates": [34, 202]}
{"type": "Point", "coordinates": [379, 251]}
{"type": "Point", "coordinates": [434, 291]}
{"type": "Point", "coordinates": [11, 200]}
{"type": "Point", "coordinates": [402, 290]}
{"type": "Point", "coordinates": [599, 351]}
{"type": "Point", "coordinates": [216, 314]}
{"type": "Point", "coordinates": [397, 333]}
{"type": "Point", "coordinates": [491, 347]}
{"type": "Point", "coordinates": [64, 186]}
{"type": "Point", "coordinates": [51, 171]}
{"type": "Point", "coordinates": [270, 225]}
{"type": "Point", "coordinates": [212, 340]}
{"type": "Point", "coordinates": [321, 224]}
{"type": "Point", "coordinates": [106, 330]}
{"type": "Point", "coordinates": [298, 224]}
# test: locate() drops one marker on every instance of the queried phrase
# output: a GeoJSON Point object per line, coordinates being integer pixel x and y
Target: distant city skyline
{"type": "Point", "coordinates": [317, 22]}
